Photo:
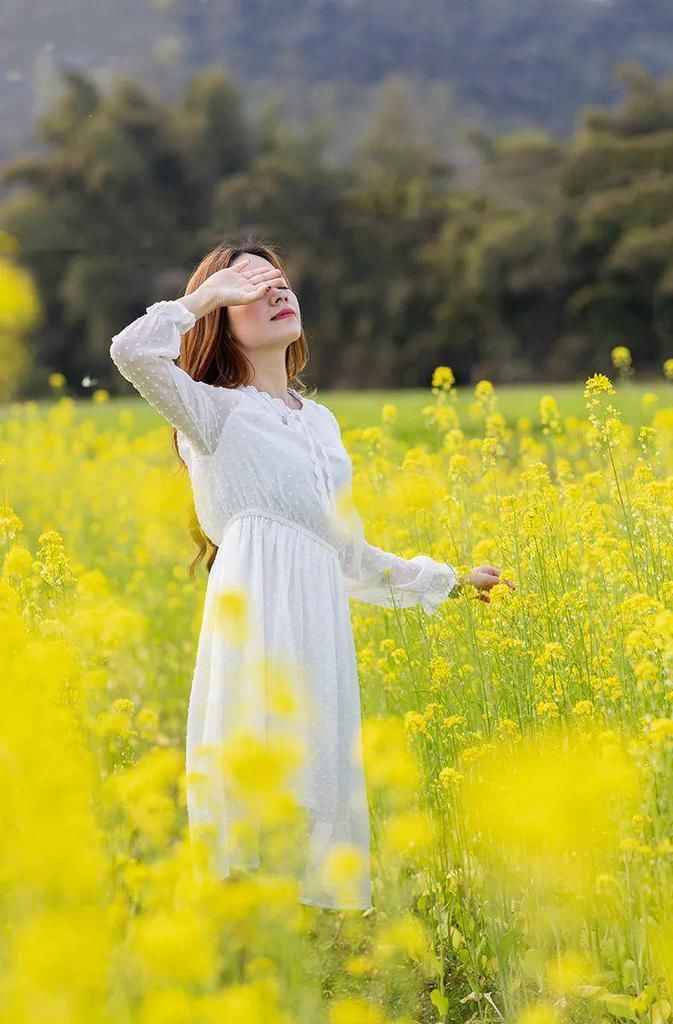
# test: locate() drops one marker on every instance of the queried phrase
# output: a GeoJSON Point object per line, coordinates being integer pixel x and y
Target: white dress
{"type": "Point", "coordinates": [264, 480]}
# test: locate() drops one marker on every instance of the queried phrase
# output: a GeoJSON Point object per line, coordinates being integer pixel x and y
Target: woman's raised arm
{"type": "Point", "coordinates": [144, 353]}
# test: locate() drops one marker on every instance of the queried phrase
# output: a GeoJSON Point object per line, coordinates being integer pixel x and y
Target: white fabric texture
{"type": "Point", "coordinates": [264, 478]}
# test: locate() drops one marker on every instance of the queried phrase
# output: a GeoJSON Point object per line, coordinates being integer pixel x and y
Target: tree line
{"type": "Point", "coordinates": [555, 251]}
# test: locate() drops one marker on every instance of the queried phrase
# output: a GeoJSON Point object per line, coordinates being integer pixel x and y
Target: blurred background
{"type": "Point", "coordinates": [482, 184]}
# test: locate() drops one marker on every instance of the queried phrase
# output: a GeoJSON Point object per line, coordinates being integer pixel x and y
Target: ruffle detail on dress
{"type": "Point", "coordinates": [319, 458]}
{"type": "Point", "coordinates": [323, 478]}
{"type": "Point", "coordinates": [278, 402]}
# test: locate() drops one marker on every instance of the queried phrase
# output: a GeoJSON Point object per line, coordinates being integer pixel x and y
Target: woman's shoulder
{"type": "Point", "coordinates": [328, 418]}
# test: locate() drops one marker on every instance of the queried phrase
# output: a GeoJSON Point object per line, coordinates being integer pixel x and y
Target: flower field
{"type": "Point", "coordinates": [519, 753]}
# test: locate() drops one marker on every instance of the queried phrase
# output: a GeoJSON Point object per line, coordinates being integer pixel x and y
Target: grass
{"type": "Point", "coordinates": [358, 408]}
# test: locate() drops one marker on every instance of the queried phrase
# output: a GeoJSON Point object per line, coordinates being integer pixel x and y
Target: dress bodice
{"type": "Point", "coordinates": [274, 458]}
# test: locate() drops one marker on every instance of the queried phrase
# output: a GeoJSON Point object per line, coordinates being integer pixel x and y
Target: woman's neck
{"type": "Point", "coordinates": [273, 380]}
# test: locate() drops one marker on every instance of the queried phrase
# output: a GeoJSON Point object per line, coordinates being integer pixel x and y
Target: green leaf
{"type": "Point", "coordinates": [619, 1005]}
{"type": "Point", "coordinates": [439, 1001]}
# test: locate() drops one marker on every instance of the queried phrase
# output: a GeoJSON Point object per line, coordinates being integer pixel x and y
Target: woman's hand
{"type": "Point", "coordinates": [483, 578]}
{"type": "Point", "coordinates": [232, 286]}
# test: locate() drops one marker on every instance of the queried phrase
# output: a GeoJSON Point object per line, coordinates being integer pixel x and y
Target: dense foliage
{"type": "Point", "coordinates": [563, 249]}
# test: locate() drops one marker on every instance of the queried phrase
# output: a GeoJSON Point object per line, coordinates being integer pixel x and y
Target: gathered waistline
{"type": "Point", "coordinates": [286, 521]}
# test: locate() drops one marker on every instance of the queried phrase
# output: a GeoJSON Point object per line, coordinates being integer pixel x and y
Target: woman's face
{"type": "Point", "coordinates": [253, 325]}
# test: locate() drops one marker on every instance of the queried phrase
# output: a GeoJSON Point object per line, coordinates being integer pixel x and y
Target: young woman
{"type": "Point", "coordinates": [266, 466]}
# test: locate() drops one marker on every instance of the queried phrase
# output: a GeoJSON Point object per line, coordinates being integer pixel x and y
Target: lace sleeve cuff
{"type": "Point", "coordinates": [176, 311]}
{"type": "Point", "coordinates": [434, 583]}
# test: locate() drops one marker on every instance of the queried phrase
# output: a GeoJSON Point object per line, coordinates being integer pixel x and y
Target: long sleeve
{"type": "Point", "coordinates": [144, 353]}
{"type": "Point", "coordinates": [381, 577]}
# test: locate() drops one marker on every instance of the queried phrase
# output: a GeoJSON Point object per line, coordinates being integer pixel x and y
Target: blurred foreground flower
{"type": "Point", "coordinates": [549, 813]}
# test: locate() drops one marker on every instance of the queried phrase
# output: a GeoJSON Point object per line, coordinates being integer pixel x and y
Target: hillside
{"type": "Point", "coordinates": [507, 63]}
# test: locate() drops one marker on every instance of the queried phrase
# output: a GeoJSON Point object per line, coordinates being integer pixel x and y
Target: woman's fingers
{"type": "Point", "coordinates": [257, 290]}
{"type": "Point", "coordinates": [265, 274]}
{"type": "Point", "coordinates": [258, 283]}
{"type": "Point", "coordinates": [490, 575]}
{"type": "Point", "coordinates": [492, 570]}
{"type": "Point", "coordinates": [262, 275]}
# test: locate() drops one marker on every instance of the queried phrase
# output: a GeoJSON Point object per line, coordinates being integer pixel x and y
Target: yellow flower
{"type": "Point", "coordinates": [490, 450]}
{"type": "Point", "coordinates": [415, 723]}
{"type": "Point", "coordinates": [147, 722]}
{"type": "Point", "coordinates": [550, 416]}
{"type": "Point", "coordinates": [507, 727]}
{"type": "Point", "coordinates": [359, 965]}
{"type": "Point", "coordinates": [668, 369]}
{"type": "Point", "coordinates": [439, 670]}
{"type": "Point", "coordinates": [257, 769]}
{"type": "Point", "coordinates": [568, 971]}
{"type": "Point", "coordinates": [459, 467]}
{"type": "Point", "coordinates": [646, 435]}
{"type": "Point", "coordinates": [660, 729]}
{"type": "Point", "coordinates": [389, 413]}
{"type": "Point", "coordinates": [389, 763]}
{"type": "Point", "coordinates": [10, 524]}
{"type": "Point", "coordinates": [52, 563]}
{"type": "Point", "coordinates": [343, 870]}
{"type": "Point", "coordinates": [123, 705]}
{"type": "Point", "coordinates": [118, 722]}
{"type": "Point", "coordinates": [231, 614]}
{"type": "Point", "coordinates": [449, 778]}
{"type": "Point", "coordinates": [443, 378]}
{"type": "Point", "coordinates": [355, 1011]}
{"type": "Point", "coordinates": [407, 832]}
{"type": "Point", "coordinates": [550, 804]}
{"type": "Point", "coordinates": [621, 357]}
{"type": "Point", "coordinates": [598, 384]}
{"type": "Point", "coordinates": [18, 562]}
{"type": "Point", "coordinates": [539, 1013]}
{"type": "Point", "coordinates": [175, 945]}
{"type": "Point", "coordinates": [406, 935]}
{"type": "Point", "coordinates": [56, 381]}
{"type": "Point", "coordinates": [441, 417]}
{"type": "Point", "coordinates": [484, 390]}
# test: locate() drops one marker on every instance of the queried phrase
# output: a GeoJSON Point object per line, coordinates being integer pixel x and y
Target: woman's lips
{"type": "Point", "coordinates": [281, 316]}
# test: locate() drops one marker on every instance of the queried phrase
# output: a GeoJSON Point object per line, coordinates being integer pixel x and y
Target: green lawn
{"type": "Point", "coordinates": [363, 408]}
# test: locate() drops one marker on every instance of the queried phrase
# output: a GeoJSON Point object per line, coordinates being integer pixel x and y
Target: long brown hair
{"type": "Point", "coordinates": [209, 352]}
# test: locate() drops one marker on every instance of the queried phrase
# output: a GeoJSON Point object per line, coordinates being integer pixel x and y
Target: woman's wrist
{"type": "Point", "coordinates": [198, 302]}
{"type": "Point", "coordinates": [459, 585]}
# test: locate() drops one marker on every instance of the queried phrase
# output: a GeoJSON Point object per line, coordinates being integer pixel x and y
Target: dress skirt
{"type": "Point", "coordinates": [276, 663]}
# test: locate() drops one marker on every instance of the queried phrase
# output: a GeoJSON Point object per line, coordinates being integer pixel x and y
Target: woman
{"type": "Point", "coordinates": [266, 465]}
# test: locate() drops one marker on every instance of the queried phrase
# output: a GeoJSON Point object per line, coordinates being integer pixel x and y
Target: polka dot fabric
{"type": "Point", "coordinates": [265, 474]}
